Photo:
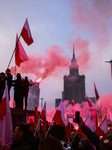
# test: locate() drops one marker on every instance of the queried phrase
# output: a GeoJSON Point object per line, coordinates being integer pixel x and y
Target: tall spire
{"type": "Point", "coordinates": [73, 59]}
{"type": "Point", "coordinates": [74, 66]}
{"type": "Point", "coordinates": [73, 52]}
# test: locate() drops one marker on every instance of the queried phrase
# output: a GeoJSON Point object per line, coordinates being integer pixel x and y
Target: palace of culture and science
{"type": "Point", "coordinates": [74, 84]}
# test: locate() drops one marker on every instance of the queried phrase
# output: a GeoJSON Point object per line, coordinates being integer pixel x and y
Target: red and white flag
{"type": "Point", "coordinates": [96, 92]}
{"type": "Point", "coordinates": [20, 55]}
{"type": "Point", "coordinates": [5, 120]}
{"type": "Point", "coordinates": [103, 128]}
{"type": "Point", "coordinates": [89, 122]}
{"type": "Point", "coordinates": [89, 103]}
{"type": "Point", "coordinates": [59, 115]}
{"type": "Point", "coordinates": [43, 118]}
{"type": "Point", "coordinates": [26, 33]}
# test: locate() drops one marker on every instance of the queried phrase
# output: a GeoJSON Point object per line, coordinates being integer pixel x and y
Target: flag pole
{"type": "Point", "coordinates": [74, 137]}
{"type": "Point", "coordinates": [4, 132]}
{"type": "Point", "coordinates": [48, 129]}
{"type": "Point", "coordinates": [38, 124]}
{"type": "Point", "coordinates": [13, 51]}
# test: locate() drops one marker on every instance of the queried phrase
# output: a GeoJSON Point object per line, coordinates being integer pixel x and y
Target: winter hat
{"type": "Point", "coordinates": [84, 141]}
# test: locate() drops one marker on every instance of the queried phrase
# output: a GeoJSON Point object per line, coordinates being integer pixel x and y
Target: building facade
{"type": "Point", "coordinates": [74, 84]}
{"type": "Point", "coordinates": [33, 96]}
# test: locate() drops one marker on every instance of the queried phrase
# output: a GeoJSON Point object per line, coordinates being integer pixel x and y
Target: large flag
{"type": "Point", "coordinates": [103, 128]}
{"type": "Point", "coordinates": [60, 119]}
{"type": "Point", "coordinates": [59, 115]}
{"type": "Point", "coordinates": [43, 118]}
{"type": "Point", "coordinates": [26, 33]}
{"type": "Point", "coordinates": [96, 92]}
{"type": "Point", "coordinates": [89, 103]}
{"type": "Point", "coordinates": [20, 55]}
{"type": "Point", "coordinates": [5, 120]}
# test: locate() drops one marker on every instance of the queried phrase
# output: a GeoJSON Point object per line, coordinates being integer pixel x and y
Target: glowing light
{"type": "Point", "coordinates": [38, 80]}
{"type": "Point", "coordinates": [76, 128]}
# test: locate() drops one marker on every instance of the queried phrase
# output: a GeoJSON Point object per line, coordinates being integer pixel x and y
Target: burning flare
{"type": "Point", "coordinates": [76, 128]}
{"type": "Point", "coordinates": [38, 80]}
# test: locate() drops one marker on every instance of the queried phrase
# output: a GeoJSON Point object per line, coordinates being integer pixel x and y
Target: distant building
{"type": "Point", "coordinates": [33, 96]}
{"type": "Point", "coordinates": [57, 101]}
{"type": "Point", "coordinates": [74, 84]}
{"type": "Point", "coordinates": [92, 99]}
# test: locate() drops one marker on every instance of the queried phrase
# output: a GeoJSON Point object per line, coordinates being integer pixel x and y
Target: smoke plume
{"type": "Point", "coordinates": [43, 66]}
{"type": "Point", "coordinates": [92, 21]}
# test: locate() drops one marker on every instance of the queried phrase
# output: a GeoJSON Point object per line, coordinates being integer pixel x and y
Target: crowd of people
{"type": "Point", "coordinates": [57, 139]}
{"type": "Point", "coordinates": [21, 87]}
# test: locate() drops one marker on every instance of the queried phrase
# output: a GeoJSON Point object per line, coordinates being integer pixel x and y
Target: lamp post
{"type": "Point", "coordinates": [42, 102]}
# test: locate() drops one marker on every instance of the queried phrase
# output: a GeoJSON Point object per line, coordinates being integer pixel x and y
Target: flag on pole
{"type": "Point", "coordinates": [89, 103]}
{"type": "Point", "coordinates": [60, 119]}
{"type": "Point", "coordinates": [43, 118]}
{"type": "Point", "coordinates": [103, 128]}
{"type": "Point", "coordinates": [59, 115]}
{"type": "Point", "coordinates": [96, 92]}
{"type": "Point", "coordinates": [89, 122]}
{"type": "Point", "coordinates": [5, 121]}
{"type": "Point", "coordinates": [26, 33]}
{"type": "Point", "coordinates": [20, 55]}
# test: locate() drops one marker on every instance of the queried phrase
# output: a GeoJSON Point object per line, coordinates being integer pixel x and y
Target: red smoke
{"type": "Point", "coordinates": [92, 20]}
{"type": "Point", "coordinates": [43, 66]}
{"type": "Point", "coordinates": [83, 53]}
{"type": "Point", "coordinates": [105, 100]}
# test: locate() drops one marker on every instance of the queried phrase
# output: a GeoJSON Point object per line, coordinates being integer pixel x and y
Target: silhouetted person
{"type": "Point", "coordinates": [50, 143]}
{"type": "Point", "coordinates": [22, 138]}
{"type": "Point", "coordinates": [8, 77]}
{"type": "Point", "coordinates": [25, 89]}
{"type": "Point", "coordinates": [59, 132]}
{"type": "Point", "coordinates": [84, 144]}
{"type": "Point", "coordinates": [18, 91]}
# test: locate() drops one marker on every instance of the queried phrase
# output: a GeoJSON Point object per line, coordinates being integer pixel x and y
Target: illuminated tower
{"type": "Point", "coordinates": [74, 84]}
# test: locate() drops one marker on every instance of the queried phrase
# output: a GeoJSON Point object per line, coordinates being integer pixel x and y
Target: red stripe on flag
{"type": "Point", "coordinates": [57, 118]}
{"type": "Point", "coordinates": [43, 117]}
{"type": "Point", "coordinates": [96, 92]}
{"type": "Point", "coordinates": [26, 33]}
{"type": "Point", "coordinates": [20, 54]}
{"type": "Point", "coordinates": [89, 103]}
{"type": "Point", "coordinates": [3, 107]}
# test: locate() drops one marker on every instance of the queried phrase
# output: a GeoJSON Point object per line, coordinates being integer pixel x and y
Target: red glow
{"type": "Point", "coordinates": [76, 128]}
